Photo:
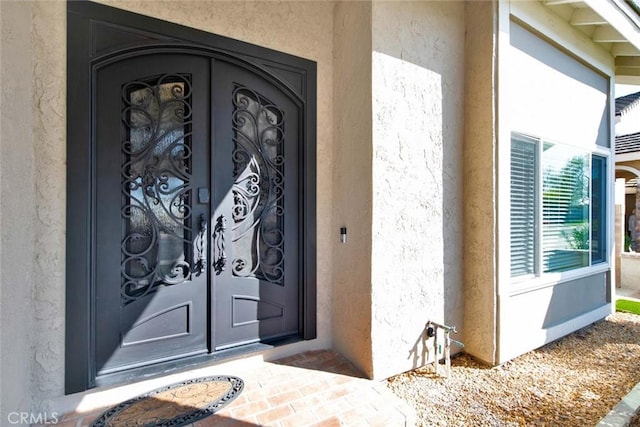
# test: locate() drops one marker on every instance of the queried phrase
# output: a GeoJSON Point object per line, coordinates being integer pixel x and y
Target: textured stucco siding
{"type": "Point", "coordinates": [352, 183]}
{"type": "Point", "coordinates": [49, 127]}
{"type": "Point", "coordinates": [33, 150]}
{"type": "Point", "coordinates": [17, 209]}
{"type": "Point", "coordinates": [480, 182]}
{"type": "Point", "coordinates": [418, 119]}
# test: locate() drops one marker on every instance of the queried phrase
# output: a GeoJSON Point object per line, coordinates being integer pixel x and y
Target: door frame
{"type": "Point", "coordinates": [295, 76]}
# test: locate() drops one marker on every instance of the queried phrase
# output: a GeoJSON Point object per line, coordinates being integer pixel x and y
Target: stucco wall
{"type": "Point", "coordinates": [480, 182]}
{"type": "Point", "coordinates": [551, 94]}
{"type": "Point", "coordinates": [352, 183]}
{"type": "Point", "coordinates": [33, 150]}
{"type": "Point", "coordinates": [619, 225]}
{"type": "Point", "coordinates": [629, 122]}
{"type": "Point", "coordinates": [49, 71]}
{"type": "Point", "coordinates": [417, 73]}
{"type": "Point", "coordinates": [532, 319]}
{"type": "Point", "coordinates": [634, 164]}
{"type": "Point", "coordinates": [548, 92]}
{"type": "Point", "coordinates": [630, 270]}
{"type": "Point", "coordinates": [17, 213]}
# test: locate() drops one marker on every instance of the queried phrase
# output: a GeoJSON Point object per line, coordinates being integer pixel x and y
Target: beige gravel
{"type": "Point", "coordinates": [574, 381]}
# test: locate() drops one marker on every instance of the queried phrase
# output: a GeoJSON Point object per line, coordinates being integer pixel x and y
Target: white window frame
{"type": "Point", "coordinates": [539, 278]}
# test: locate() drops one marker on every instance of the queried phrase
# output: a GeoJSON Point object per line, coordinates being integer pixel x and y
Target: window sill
{"type": "Point", "coordinates": [524, 285]}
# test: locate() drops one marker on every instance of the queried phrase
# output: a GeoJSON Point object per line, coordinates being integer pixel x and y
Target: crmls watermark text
{"type": "Point", "coordinates": [28, 418]}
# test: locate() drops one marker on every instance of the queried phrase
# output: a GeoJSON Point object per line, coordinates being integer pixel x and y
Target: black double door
{"type": "Point", "coordinates": [196, 209]}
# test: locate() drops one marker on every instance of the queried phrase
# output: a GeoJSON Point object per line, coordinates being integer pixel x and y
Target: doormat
{"type": "Point", "coordinates": [174, 405]}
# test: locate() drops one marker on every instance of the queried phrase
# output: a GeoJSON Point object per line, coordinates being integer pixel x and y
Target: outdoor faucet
{"type": "Point", "coordinates": [432, 332]}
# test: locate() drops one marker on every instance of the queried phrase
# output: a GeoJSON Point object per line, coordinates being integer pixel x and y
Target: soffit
{"type": "Point", "coordinates": [612, 24]}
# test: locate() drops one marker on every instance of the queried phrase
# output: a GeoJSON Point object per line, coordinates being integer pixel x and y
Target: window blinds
{"type": "Point", "coordinates": [523, 206]}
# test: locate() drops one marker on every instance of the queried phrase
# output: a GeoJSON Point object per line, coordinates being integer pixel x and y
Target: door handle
{"type": "Point", "coordinates": [200, 254]}
{"type": "Point", "coordinates": [220, 257]}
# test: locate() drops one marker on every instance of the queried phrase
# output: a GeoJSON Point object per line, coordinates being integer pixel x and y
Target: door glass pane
{"type": "Point", "coordinates": [156, 176]}
{"type": "Point", "coordinates": [258, 189]}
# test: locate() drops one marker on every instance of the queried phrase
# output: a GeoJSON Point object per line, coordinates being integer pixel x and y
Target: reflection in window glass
{"type": "Point", "coordinates": [565, 208]}
{"type": "Point", "coordinates": [598, 209]}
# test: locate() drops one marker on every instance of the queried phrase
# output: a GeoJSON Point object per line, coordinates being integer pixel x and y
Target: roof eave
{"type": "Point", "coordinates": [616, 27]}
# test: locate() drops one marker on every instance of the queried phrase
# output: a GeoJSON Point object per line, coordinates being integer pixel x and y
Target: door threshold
{"type": "Point", "coordinates": [184, 364]}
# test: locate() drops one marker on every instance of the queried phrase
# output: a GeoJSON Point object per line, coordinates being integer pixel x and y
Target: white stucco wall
{"type": "Point", "coordinates": [551, 95]}
{"type": "Point", "coordinates": [548, 92]}
{"type": "Point", "coordinates": [33, 150]}
{"type": "Point", "coordinates": [417, 75]}
{"type": "Point", "coordinates": [629, 122]}
{"type": "Point", "coordinates": [508, 89]}
{"type": "Point", "coordinates": [630, 270]}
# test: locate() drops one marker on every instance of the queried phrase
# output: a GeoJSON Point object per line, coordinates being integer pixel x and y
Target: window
{"type": "Point", "coordinates": [558, 208]}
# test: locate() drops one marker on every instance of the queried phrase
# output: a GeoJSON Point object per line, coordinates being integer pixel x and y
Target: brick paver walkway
{"type": "Point", "coordinates": [317, 388]}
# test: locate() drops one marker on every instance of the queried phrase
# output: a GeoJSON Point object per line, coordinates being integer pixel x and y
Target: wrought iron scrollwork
{"type": "Point", "coordinates": [218, 237]}
{"type": "Point", "coordinates": [258, 190]}
{"type": "Point", "coordinates": [200, 247]}
{"type": "Point", "coordinates": [156, 184]}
